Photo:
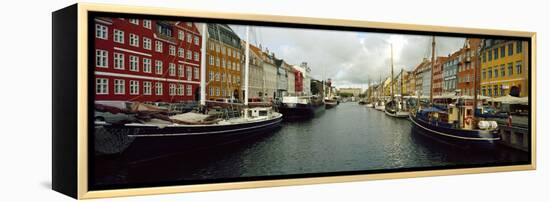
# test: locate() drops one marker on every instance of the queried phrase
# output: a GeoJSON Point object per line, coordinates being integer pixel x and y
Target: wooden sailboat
{"type": "Point", "coordinates": [456, 122]}
{"type": "Point", "coordinates": [163, 135]}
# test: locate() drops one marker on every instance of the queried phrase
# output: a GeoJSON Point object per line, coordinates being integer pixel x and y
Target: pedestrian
{"type": "Point", "coordinates": [509, 119]}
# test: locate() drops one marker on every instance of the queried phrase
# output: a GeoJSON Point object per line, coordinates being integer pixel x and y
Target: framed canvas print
{"type": "Point", "coordinates": [156, 100]}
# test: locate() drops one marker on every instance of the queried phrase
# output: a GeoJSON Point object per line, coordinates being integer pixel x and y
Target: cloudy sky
{"type": "Point", "coordinates": [349, 58]}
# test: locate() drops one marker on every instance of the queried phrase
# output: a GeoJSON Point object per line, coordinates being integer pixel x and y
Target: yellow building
{"type": "Point", "coordinates": [504, 68]}
{"type": "Point", "coordinates": [223, 63]}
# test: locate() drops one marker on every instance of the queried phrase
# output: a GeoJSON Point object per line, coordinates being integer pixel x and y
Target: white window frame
{"type": "Point", "coordinates": [104, 88]}
{"type": "Point", "coordinates": [101, 31]}
{"type": "Point", "coordinates": [102, 58]}
{"type": "Point", "coordinates": [134, 87]}
{"type": "Point", "coordinates": [134, 40]}
{"type": "Point", "coordinates": [147, 66]}
{"type": "Point", "coordinates": [146, 43]}
{"type": "Point", "coordinates": [120, 87]}
{"type": "Point", "coordinates": [172, 69]}
{"type": "Point", "coordinates": [158, 67]}
{"type": "Point", "coordinates": [196, 56]}
{"type": "Point", "coordinates": [118, 60]}
{"type": "Point", "coordinates": [189, 54]}
{"type": "Point", "coordinates": [196, 40]}
{"type": "Point", "coordinates": [158, 46]}
{"type": "Point", "coordinates": [172, 50]}
{"type": "Point", "coordinates": [147, 24]}
{"type": "Point", "coordinates": [188, 73]}
{"type": "Point", "coordinates": [147, 87]}
{"type": "Point", "coordinates": [181, 52]}
{"type": "Point", "coordinates": [211, 59]}
{"type": "Point", "coordinates": [134, 60]}
{"type": "Point", "coordinates": [118, 36]}
{"type": "Point", "coordinates": [134, 21]}
{"type": "Point", "coordinates": [196, 73]}
{"type": "Point", "coordinates": [180, 89]}
{"type": "Point", "coordinates": [189, 38]}
{"type": "Point", "coordinates": [181, 71]}
{"type": "Point", "coordinates": [172, 89]}
{"type": "Point", "coordinates": [158, 88]}
{"type": "Point", "coordinates": [181, 35]}
{"type": "Point", "coordinates": [189, 90]}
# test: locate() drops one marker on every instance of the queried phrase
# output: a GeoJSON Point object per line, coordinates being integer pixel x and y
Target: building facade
{"type": "Point", "coordinates": [468, 64]}
{"type": "Point", "coordinates": [450, 70]}
{"type": "Point", "coordinates": [353, 91]}
{"type": "Point", "coordinates": [224, 63]}
{"type": "Point", "coordinates": [422, 75]}
{"type": "Point", "coordinates": [255, 73]}
{"type": "Point", "coordinates": [270, 75]}
{"type": "Point", "coordinates": [305, 71]}
{"type": "Point", "coordinates": [438, 76]}
{"type": "Point", "coordinates": [504, 68]}
{"type": "Point", "coordinates": [291, 79]}
{"type": "Point", "coordinates": [282, 78]}
{"type": "Point", "coordinates": [138, 60]}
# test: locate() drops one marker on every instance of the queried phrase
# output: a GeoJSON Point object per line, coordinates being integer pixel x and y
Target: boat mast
{"type": "Point", "coordinates": [432, 70]}
{"type": "Point", "coordinates": [391, 79]}
{"type": "Point", "coordinates": [203, 65]}
{"type": "Point", "coordinates": [476, 64]}
{"type": "Point", "coordinates": [401, 89]}
{"type": "Point", "coordinates": [246, 67]}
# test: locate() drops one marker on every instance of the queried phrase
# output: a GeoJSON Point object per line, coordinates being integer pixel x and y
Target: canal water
{"type": "Point", "coordinates": [349, 137]}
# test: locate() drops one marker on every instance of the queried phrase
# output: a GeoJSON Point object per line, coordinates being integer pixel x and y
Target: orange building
{"type": "Point", "coordinates": [224, 62]}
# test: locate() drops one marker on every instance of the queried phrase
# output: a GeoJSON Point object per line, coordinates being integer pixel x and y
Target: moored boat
{"type": "Point", "coordinates": [301, 107]}
{"type": "Point", "coordinates": [330, 103]}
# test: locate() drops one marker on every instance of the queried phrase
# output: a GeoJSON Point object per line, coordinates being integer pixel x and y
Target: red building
{"type": "Point", "coordinates": [146, 60]}
{"type": "Point", "coordinates": [467, 66]}
{"type": "Point", "coordinates": [438, 75]}
{"type": "Point", "coordinates": [298, 81]}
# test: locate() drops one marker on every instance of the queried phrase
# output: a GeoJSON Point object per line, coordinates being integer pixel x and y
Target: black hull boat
{"type": "Point", "coordinates": [392, 109]}
{"type": "Point", "coordinates": [329, 104]}
{"type": "Point", "coordinates": [301, 111]}
{"type": "Point", "coordinates": [482, 139]}
{"type": "Point", "coordinates": [137, 142]}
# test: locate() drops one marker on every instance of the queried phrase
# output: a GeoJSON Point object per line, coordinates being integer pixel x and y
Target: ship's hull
{"type": "Point", "coordinates": [330, 105]}
{"type": "Point", "coordinates": [301, 111]}
{"type": "Point", "coordinates": [370, 105]}
{"type": "Point", "coordinates": [152, 142]}
{"type": "Point", "coordinates": [484, 139]}
{"type": "Point", "coordinates": [397, 114]}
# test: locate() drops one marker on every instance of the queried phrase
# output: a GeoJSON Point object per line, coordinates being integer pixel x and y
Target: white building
{"type": "Point", "coordinates": [270, 75]}
{"type": "Point", "coordinates": [255, 73]}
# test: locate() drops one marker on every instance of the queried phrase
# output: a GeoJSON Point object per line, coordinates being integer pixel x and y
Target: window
{"type": "Point", "coordinates": [158, 67]}
{"type": "Point", "coordinates": [134, 21]}
{"type": "Point", "coordinates": [223, 77]}
{"type": "Point", "coordinates": [101, 57]}
{"type": "Point", "coordinates": [495, 91]}
{"type": "Point", "coordinates": [180, 89]}
{"type": "Point", "coordinates": [196, 73]}
{"type": "Point", "coordinates": [223, 50]}
{"type": "Point", "coordinates": [146, 43]}
{"type": "Point", "coordinates": [196, 56]}
{"type": "Point", "coordinates": [223, 63]}
{"type": "Point", "coordinates": [510, 69]}
{"type": "Point", "coordinates": [119, 86]}
{"type": "Point", "coordinates": [172, 50]}
{"type": "Point", "coordinates": [502, 51]}
{"type": "Point", "coordinates": [496, 72]}
{"type": "Point", "coordinates": [158, 88]}
{"type": "Point", "coordinates": [118, 36]}
{"type": "Point", "coordinates": [101, 31]}
{"type": "Point", "coordinates": [119, 60]}
{"type": "Point", "coordinates": [134, 63]}
{"type": "Point", "coordinates": [218, 48]}
{"type": "Point", "coordinates": [101, 86]}
{"type": "Point", "coordinates": [519, 67]}
{"type": "Point", "coordinates": [217, 62]}
{"type": "Point", "coordinates": [134, 40]}
{"type": "Point", "coordinates": [518, 47]}
{"type": "Point", "coordinates": [501, 90]}
{"type": "Point", "coordinates": [489, 91]}
{"type": "Point", "coordinates": [172, 69]}
{"type": "Point", "coordinates": [483, 57]}
{"type": "Point", "coordinates": [189, 73]}
{"type": "Point", "coordinates": [147, 24]}
{"type": "Point", "coordinates": [189, 55]}
{"type": "Point", "coordinates": [211, 76]}
{"type": "Point", "coordinates": [164, 30]}
{"type": "Point", "coordinates": [147, 88]}
{"type": "Point", "coordinates": [189, 38]}
{"type": "Point", "coordinates": [172, 89]}
{"type": "Point", "coordinates": [196, 40]}
{"type": "Point", "coordinates": [211, 46]}
{"type": "Point", "coordinates": [147, 65]}
{"type": "Point", "coordinates": [483, 91]}
{"type": "Point", "coordinates": [180, 71]}
{"type": "Point", "coordinates": [489, 73]}
{"type": "Point", "coordinates": [211, 91]}
{"type": "Point", "coordinates": [217, 76]}
{"type": "Point", "coordinates": [217, 91]}
{"type": "Point", "coordinates": [510, 49]}
{"type": "Point", "coordinates": [158, 46]}
{"type": "Point", "coordinates": [180, 35]}
{"type": "Point", "coordinates": [134, 87]}
{"type": "Point", "coordinates": [229, 78]}
{"type": "Point", "coordinates": [180, 53]}
{"type": "Point", "coordinates": [211, 60]}
{"type": "Point", "coordinates": [490, 55]}
{"type": "Point", "coordinates": [189, 90]}
{"type": "Point", "coordinates": [502, 72]}
{"type": "Point", "coordinates": [495, 53]}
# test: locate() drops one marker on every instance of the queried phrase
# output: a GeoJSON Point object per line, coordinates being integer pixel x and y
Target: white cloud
{"type": "Point", "coordinates": [349, 58]}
